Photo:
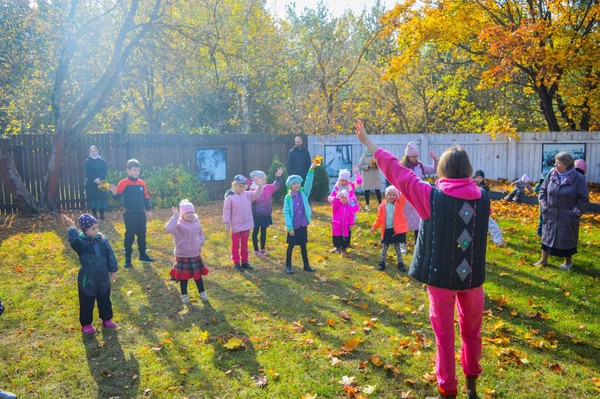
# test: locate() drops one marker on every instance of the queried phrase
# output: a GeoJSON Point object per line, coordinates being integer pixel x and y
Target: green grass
{"type": "Point", "coordinates": [541, 329]}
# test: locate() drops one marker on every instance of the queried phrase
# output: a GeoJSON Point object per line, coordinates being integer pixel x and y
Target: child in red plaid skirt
{"type": "Point", "coordinates": [188, 238]}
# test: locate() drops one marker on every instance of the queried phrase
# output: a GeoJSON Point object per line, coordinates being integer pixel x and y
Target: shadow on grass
{"type": "Point", "coordinates": [115, 375]}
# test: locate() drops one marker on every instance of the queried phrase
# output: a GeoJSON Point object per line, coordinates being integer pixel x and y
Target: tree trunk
{"type": "Point", "coordinates": [546, 96]}
{"type": "Point", "coordinates": [51, 190]}
{"type": "Point", "coordinates": [22, 198]}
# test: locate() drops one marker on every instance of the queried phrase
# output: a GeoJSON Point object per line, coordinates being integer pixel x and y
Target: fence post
{"type": "Point", "coordinates": [511, 159]}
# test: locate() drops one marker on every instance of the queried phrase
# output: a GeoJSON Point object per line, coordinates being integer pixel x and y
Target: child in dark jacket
{"type": "Point", "coordinates": [453, 212]}
{"type": "Point", "coordinates": [521, 185]}
{"type": "Point", "coordinates": [98, 268]}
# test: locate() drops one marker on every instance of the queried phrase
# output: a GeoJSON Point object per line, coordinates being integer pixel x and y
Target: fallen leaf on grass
{"type": "Point", "coordinates": [309, 396]}
{"type": "Point", "coordinates": [407, 395]}
{"type": "Point", "coordinates": [556, 368]}
{"type": "Point", "coordinates": [299, 328]}
{"type": "Point", "coordinates": [347, 381]}
{"type": "Point", "coordinates": [376, 360]}
{"type": "Point", "coordinates": [335, 361]}
{"type": "Point", "coordinates": [345, 316]}
{"type": "Point", "coordinates": [233, 343]}
{"type": "Point", "coordinates": [369, 389]}
{"type": "Point", "coordinates": [350, 344]}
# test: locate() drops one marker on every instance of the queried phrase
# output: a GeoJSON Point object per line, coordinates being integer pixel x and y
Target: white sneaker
{"type": "Point", "coordinates": [367, 207]}
{"type": "Point", "coordinates": [203, 296]}
{"type": "Point", "coordinates": [185, 299]}
{"type": "Point", "coordinates": [403, 248]}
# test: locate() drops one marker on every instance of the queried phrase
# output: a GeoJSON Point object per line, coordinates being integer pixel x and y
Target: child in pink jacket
{"type": "Point", "coordinates": [344, 183]}
{"type": "Point", "coordinates": [342, 221]}
{"type": "Point", "coordinates": [188, 238]}
{"type": "Point", "coordinates": [238, 220]}
{"type": "Point", "coordinates": [391, 220]}
{"type": "Point", "coordinates": [449, 256]}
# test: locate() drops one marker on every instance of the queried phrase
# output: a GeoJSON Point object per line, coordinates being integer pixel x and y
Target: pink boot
{"type": "Point", "coordinates": [109, 324]}
{"type": "Point", "coordinates": [88, 329]}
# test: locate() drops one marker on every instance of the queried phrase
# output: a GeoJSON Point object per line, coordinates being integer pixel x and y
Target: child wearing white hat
{"type": "Point", "coordinates": [391, 220]}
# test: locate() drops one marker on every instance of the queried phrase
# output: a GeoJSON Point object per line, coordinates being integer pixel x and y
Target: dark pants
{"type": "Point", "coordinates": [341, 241]}
{"type": "Point", "coordinates": [368, 196]}
{"type": "Point", "coordinates": [95, 213]}
{"type": "Point", "coordinates": [86, 307]}
{"type": "Point", "coordinates": [184, 285]}
{"type": "Point", "coordinates": [303, 251]}
{"type": "Point", "coordinates": [263, 237]}
{"type": "Point", "coordinates": [135, 225]}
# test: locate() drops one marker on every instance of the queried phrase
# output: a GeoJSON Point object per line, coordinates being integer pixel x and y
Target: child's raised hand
{"type": "Point", "coordinates": [433, 156]}
{"type": "Point", "coordinates": [372, 230]}
{"type": "Point", "coordinates": [175, 211]}
{"type": "Point", "coordinates": [313, 166]}
{"type": "Point", "coordinates": [279, 172]}
{"type": "Point", "coordinates": [363, 137]}
{"type": "Point", "coordinates": [69, 221]}
{"type": "Point", "coordinates": [355, 169]}
{"type": "Point", "coordinates": [113, 189]}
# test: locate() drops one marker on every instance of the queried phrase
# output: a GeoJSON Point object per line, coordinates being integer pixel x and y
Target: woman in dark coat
{"type": "Point", "coordinates": [95, 173]}
{"type": "Point", "coordinates": [563, 200]}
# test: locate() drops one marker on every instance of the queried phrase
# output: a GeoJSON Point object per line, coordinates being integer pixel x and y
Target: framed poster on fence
{"type": "Point", "coordinates": [337, 157]}
{"type": "Point", "coordinates": [211, 164]}
{"type": "Point", "coordinates": [550, 150]}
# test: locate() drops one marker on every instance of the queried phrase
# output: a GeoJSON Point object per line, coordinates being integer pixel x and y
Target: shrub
{"type": "Point", "coordinates": [279, 194]}
{"type": "Point", "coordinates": [167, 186]}
{"type": "Point", "coordinates": [320, 189]}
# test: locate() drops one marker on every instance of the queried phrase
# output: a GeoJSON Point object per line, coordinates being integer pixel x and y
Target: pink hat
{"type": "Point", "coordinates": [411, 150]}
{"type": "Point", "coordinates": [580, 164]}
{"type": "Point", "coordinates": [342, 193]}
{"type": "Point", "coordinates": [344, 174]}
{"type": "Point", "coordinates": [186, 206]}
{"type": "Point", "coordinates": [391, 188]}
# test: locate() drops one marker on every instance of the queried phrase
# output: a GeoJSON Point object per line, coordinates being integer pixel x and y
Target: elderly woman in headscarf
{"type": "Point", "coordinates": [563, 199]}
{"type": "Point", "coordinates": [95, 173]}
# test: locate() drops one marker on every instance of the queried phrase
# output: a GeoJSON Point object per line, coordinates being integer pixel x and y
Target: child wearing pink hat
{"type": "Point", "coordinates": [188, 238]}
{"type": "Point", "coordinates": [342, 221]}
{"type": "Point", "coordinates": [98, 268]}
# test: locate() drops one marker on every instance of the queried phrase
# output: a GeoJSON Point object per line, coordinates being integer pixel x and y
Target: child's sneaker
{"type": "Point", "coordinates": [264, 252]}
{"type": "Point", "coordinates": [185, 299]}
{"type": "Point", "coordinates": [367, 207]}
{"type": "Point", "coordinates": [401, 266]}
{"type": "Point", "coordinates": [88, 329]}
{"type": "Point", "coordinates": [259, 254]}
{"type": "Point", "coordinates": [238, 268]}
{"type": "Point", "coordinates": [109, 324]}
{"type": "Point", "coordinates": [203, 296]}
{"type": "Point", "coordinates": [127, 264]}
{"type": "Point", "coordinates": [403, 248]}
{"type": "Point", "coordinates": [145, 258]}
{"type": "Point", "coordinates": [381, 265]}
{"type": "Point", "coordinates": [247, 266]}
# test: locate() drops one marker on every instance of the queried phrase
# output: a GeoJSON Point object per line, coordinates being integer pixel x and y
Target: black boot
{"type": "Point", "coordinates": [288, 269]}
{"type": "Point", "coordinates": [472, 388]}
{"type": "Point", "coordinates": [308, 268]}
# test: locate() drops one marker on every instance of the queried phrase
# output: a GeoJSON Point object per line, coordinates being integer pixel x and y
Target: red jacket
{"type": "Point", "coordinates": [400, 225]}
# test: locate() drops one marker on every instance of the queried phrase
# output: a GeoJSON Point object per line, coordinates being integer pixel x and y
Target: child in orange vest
{"type": "Point", "coordinates": [391, 219]}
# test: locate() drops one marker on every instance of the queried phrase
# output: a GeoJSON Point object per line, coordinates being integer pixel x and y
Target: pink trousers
{"type": "Point", "coordinates": [239, 246]}
{"type": "Point", "coordinates": [469, 304]}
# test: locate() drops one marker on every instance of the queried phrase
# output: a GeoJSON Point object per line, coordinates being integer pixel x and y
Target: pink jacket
{"type": "Point", "coordinates": [237, 210]}
{"type": "Point", "coordinates": [343, 217]}
{"type": "Point", "coordinates": [188, 237]}
{"type": "Point", "coordinates": [416, 191]}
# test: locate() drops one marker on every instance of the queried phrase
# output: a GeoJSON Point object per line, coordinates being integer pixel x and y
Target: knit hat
{"type": "Point", "coordinates": [186, 206]}
{"type": "Point", "coordinates": [580, 164]}
{"type": "Point", "coordinates": [241, 179]}
{"type": "Point", "coordinates": [479, 173]}
{"type": "Point", "coordinates": [86, 221]}
{"type": "Point", "coordinates": [293, 179]}
{"type": "Point", "coordinates": [411, 150]}
{"type": "Point", "coordinates": [525, 178]}
{"type": "Point", "coordinates": [258, 173]}
{"type": "Point", "coordinates": [342, 193]}
{"type": "Point", "coordinates": [344, 174]}
{"type": "Point", "coordinates": [391, 188]}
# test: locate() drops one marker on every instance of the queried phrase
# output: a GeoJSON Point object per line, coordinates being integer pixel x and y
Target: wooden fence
{"type": "Point", "coordinates": [244, 153]}
{"type": "Point", "coordinates": [500, 158]}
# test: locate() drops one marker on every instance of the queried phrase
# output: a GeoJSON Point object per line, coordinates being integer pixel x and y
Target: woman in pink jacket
{"type": "Point", "coordinates": [455, 211]}
{"type": "Point", "coordinates": [188, 238]}
{"type": "Point", "coordinates": [342, 220]}
{"type": "Point", "coordinates": [238, 220]}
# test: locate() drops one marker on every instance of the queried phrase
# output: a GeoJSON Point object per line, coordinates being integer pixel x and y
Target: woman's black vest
{"type": "Point", "coordinates": [450, 250]}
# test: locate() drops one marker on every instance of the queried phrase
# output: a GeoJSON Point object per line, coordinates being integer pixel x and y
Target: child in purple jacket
{"type": "Point", "coordinates": [342, 220]}
{"type": "Point", "coordinates": [262, 208]}
{"type": "Point", "coordinates": [188, 238]}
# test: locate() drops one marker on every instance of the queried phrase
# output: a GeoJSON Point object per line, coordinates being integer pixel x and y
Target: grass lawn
{"type": "Point", "coordinates": [345, 331]}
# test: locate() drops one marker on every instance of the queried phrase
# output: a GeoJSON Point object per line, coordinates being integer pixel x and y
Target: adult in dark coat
{"type": "Point", "coordinates": [95, 173]}
{"type": "Point", "coordinates": [563, 200]}
{"type": "Point", "coordinates": [299, 159]}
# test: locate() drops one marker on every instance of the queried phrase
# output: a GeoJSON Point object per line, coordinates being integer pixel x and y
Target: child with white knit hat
{"type": "Point", "coordinates": [188, 238]}
{"type": "Point", "coordinates": [342, 221]}
{"type": "Point", "coordinates": [521, 185]}
{"type": "Point", "coordinates": [391, 219]}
